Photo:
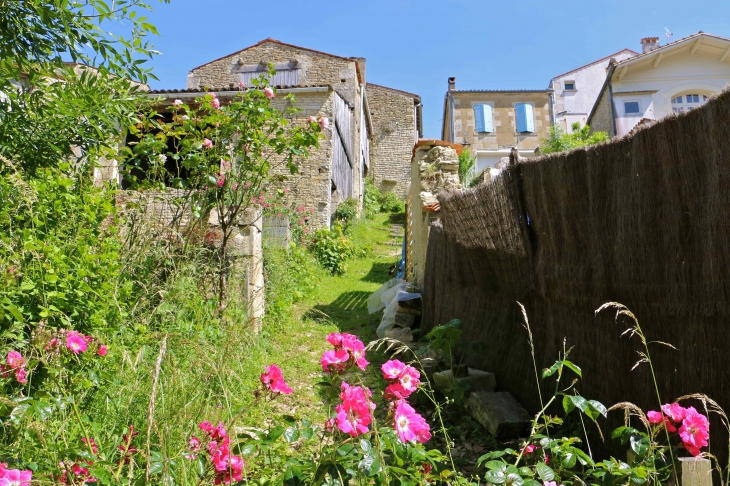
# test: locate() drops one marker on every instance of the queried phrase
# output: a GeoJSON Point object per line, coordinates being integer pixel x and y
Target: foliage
{"type": "Point", "coordinates": [375, 201]}
{"type": "Point", "coordinates": [332, 248]}
{"type": "Point", "coordinates": [37, 34]}
{"type": "Point", "coordinates": [291, 275]}
{"type": "Point", "coordinates": [222, 157]}
{"type": "Point", "coordinates": [559, 141]}
{"type": "Point", "coordinates": [466, 168]}
{"type": "Point", "coordinates": [346, 212]}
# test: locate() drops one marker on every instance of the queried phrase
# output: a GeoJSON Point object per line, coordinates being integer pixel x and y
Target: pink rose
{"type": "Point", "coordinates": [324, 123]}
{"type": "Point", "coordinates": [177, 103]}
{"type": "Point", "coordinates": [269, 93]}
{"type": "Point", "coordinates": [312, 119]}
{"type": "Point", "coordinates": [655, 417]}
{"type": "Point", "coordinates": [208, 143]}
{"type": "Point", "coordinates": [76, 342]}
{"type": "Point", "coordinates": [102, 350]}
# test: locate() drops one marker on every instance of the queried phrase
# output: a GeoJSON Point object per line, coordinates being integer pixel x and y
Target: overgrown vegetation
{"type": "Point", "coordinates": [559, 141]}
{"type": "Point", "coordinates": [466, 168]}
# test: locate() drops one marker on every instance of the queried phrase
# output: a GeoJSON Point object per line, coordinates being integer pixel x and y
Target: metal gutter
{"type": "Point", "coordinates": [316, 89]}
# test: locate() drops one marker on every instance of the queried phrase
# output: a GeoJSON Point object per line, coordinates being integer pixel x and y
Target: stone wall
{"type": "Point", "coordinates": [434, 167]}
{"type": "Point", "coordinates": [602, 119]}
{"type": "Point", "coordinates": [395, 132]}
{"type": "Point", "coordinates": [314, 68]}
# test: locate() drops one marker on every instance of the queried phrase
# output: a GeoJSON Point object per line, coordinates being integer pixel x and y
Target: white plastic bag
{"type": "Point", "coordinates": [375, 302]}
{"type": "Point", "coordinates": [388, 321]}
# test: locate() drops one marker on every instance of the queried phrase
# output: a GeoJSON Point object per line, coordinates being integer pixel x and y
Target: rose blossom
{"type": "Point", "coordinates": [324, 123]}
{"type": "Point", "coordinates": [102, 350]}
{"type": "Point", "coordinates": [675, 411]}
{"type": "Point", "coordinates": [15, 360]}
{"type": "Point", "coordinates": [208, 143]}
{"type": "Point", "coordinates": [15, 477]}
{"type": "Point", "coordinates": [312, 119]}
{"type": "Point", "coordinates": [20, 376]}
{"type": "Point", "coordinates": [76, 342]}
{"type": "Point", "coordinates": [410, 425]}
{"type": "Point", "coordinates": [354, 413]}
{"type": "Point", "coordinates": [694, 431]}
{"type": "Point", "coordinates": [177, 103]}
{"type": "Point", "coordinates": [269, 93]}
{"type": "Point", "coordinates": [273, 379]}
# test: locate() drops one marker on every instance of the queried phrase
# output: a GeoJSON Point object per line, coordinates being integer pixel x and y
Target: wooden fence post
{"type": "Point", "coordinates": [696, 471]}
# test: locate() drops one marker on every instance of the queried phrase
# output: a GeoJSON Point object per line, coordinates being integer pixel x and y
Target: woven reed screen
{"type": "Point", "coordinates": [642, 220]}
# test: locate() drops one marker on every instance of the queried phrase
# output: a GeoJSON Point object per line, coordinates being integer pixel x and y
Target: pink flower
{"type": "Point", "coordinates": [75, 342]}
{"type": "Point", "coordinates": [395, 391]}
{"type": "Point", "coordinates": [194, 444]}
{"type": "Point", "coordinates": [324, 123]}
{"type": "Point", "coordinates": [354, 413]}
{"type": "Point", "coordinates": [695, 431]}
{"type": "Point", "coordinates": [410, 425]}
{"type": "Point", "coordinates": [241, 85]}
{"type": "Point", "coordinates": [273, 379]}
{"type": "Point", "coordinates": [215, 103]}
{"type": "Point", "coordinates": [208, 143]}
{"type": "Point", "coordinates": [15, 477]}
{"type": "Point", "coordinates": [334, 361]}
{"type": "Point", "coordinates": [550, 483]}
{"type": "Point", "coordinates": [235, 186]}
{"type": "Point", "coordinates": [177, 103]}
{"type": "Point", "coordinates": [530, 448]}
{"type": "Point", "coordinates": [210, 93]}
{"type": "Point", "coordinates": [655, 417]}
{"type": "Point", "coordinates": [102, 350]}
{"type": "Point", "coordinates": [329, 424]}
{"type": "Point", "coordinates": [15, 360]}
{"type": "Point", "coordinates": [52, 344]}
{"type": "Point", "coordinates": [20, 376]}
{"type": "Point", "coordinates": [312, 119]}
{"type": "Point", "coordinates": [675, 411]}
{"type": "Point", "coordinates": [220, 180]}
{"type": "Point", "coordinates": [269, 93]}
{"type": "Point", "coordinates": [392, 369]}
{"type": "Point", "coordinates": [215, 433]}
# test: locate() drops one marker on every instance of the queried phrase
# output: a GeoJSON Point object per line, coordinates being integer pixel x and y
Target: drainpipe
{"type": "Point", "coordinates": [451, 118]}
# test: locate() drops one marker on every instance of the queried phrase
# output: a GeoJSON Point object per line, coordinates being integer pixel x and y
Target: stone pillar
{"type": "Point", "coordinates": [696, 471]}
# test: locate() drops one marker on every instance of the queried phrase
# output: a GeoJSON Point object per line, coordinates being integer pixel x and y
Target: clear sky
{"type": "Point", "coordinates": [415, 45]}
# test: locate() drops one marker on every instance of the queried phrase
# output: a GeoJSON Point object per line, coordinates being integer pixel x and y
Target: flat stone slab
{"type": "Point", "coordinates": [404, 320]}
{"type": "Point", "coordinates": [478, 380]}
{"type": "Point", "coordinates": [401, 334]}
{"type": "Point", "coordinates": [499, 413]}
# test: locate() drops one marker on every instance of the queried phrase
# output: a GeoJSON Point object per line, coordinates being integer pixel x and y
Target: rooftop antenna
{"type": "Point", "coordinates": [669, 35]}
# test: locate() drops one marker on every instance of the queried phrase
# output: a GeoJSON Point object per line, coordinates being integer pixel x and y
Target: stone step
{"type": "Point", "coordinates": [478, 380]}
{"type": "Point", "coordinates": [499, 413]}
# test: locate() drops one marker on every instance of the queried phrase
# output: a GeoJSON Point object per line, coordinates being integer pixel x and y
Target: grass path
{"type": "Point", "coordinates": [338, 304]}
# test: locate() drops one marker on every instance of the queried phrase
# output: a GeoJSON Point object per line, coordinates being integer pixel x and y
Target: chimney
{"type": "Point", "coordinates": [649, 44]}
{"type": "Point", "coordinates": [361, 63]}
{"type": "Point", "coordinates": [452, 84]}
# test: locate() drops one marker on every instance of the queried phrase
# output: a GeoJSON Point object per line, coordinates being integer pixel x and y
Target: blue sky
{"type": "Point", "coordinates": [415, 45]}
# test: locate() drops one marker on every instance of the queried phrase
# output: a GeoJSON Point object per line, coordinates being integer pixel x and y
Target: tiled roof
{"type": "Point", "coordinates": [594, 62]}
{"type": "Point", "coordinates": [501, 91]}
{"type": "Point", "coordinates": [413, 95]}
{"type": "Point", "coordinates": [671, 44]}
{"type": "Point", "coordinates": [231, 87]}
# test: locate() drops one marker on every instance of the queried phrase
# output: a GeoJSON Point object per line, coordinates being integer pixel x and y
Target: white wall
{"type": "Point", "coordinates": [678, 73]}
{"type": "Point", "coordinates": [588, 83]}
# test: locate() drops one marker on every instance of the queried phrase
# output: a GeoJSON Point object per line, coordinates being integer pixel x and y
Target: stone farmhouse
{"type": "Point", "coordinates": [372, 128]}
{"type": "Point", "coordinates": [489, 123]}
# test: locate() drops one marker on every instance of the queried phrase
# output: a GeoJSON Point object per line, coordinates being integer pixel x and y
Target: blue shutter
{"type": "Point", "coordinates": [479, 118]}
{"type": "Point", "coordinates": [483, 118]}
{"type": "Point", "coordinates": [520, 116]}
{"type": "Point", "coordinates": [488, 122]}
{"type": "Point", "coordinates": [529, 119]}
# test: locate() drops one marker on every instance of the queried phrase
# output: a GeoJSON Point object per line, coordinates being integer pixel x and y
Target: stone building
{"type": "Point", "coordinates": [396, 119]}
{"type": "Point", "coordinates": [324, 85]}
{"type": "Point", "coordinates": [491, 122]}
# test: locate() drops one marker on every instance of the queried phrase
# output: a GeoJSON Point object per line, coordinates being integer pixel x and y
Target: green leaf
{"type": "Point", "coordinates": [544, 471]}
{"type": "Point", "coordinates": [551, 371]}
{"type": "Point", "coordinates": [495, 477]}
{"type": "Point", "coordinates": [275, 433]}
{"type": "Point", "coordinates": [294, 477]}
{"type": "Point", "coordinates": [573, 367]}
{"type": "Point", "coordinates": [365, 445]}
{"type": "Point", "coordinates": [291, 435]}
{"type": "Point", "coordinates": [568, 405]}
{"type": "Point", "coordinates": [496, 465]}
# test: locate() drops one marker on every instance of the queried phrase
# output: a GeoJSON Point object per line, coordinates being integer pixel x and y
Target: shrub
{"type": "Point", "coordinates": [332, 249]}
{"type": "Point", "coordinates": [376, 201]}
{"type": "Point", "coordinates": [346, 212]}
{"type": "Point", "coordinates": [291, 275]}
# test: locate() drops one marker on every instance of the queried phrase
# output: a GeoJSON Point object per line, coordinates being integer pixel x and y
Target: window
{"type": "Point", "coordinates": [483, 118]}
{"type": "Point", "coordinates": [632, 108]}
{"type": "Point", "coordinates": [287, 73]}
{"type": "Point", "coordinates": [570, 86]}
{"type": "Point", "coordinates": [687, 102]}
{"type": "Point", "coordinates": [525, 118]}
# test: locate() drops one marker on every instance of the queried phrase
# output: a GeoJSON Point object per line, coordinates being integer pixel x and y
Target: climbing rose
{"type": "Point", "coordinates": [273, 379]}
{"type": "Point", "coordinates": [269, 93]}
{"type": "Point", "coordinates": [102, 350]}
{"type": "Point", "coordinates": [334, 361]}
{"type": "Point", "coordinates": [530, 448]}
{"type": "Point", "coordinates": [15, 360]}
{"type": "Point", "coordinates": [76, 342]}
{"type": "Point", "coordinates": [392, 369]}
{"type": "Point", "coordinates": [177, 102]}
{"type": "Point", "coordinates": [410, 425]}
{"type": "Point", "coordinates": [655, 417]}
{"type": "Point", "coordinates": [14, 477]}
{"type": "Point", "coordinates": [215, 103]}
{"type": "Point", "coordinates": [324, 123]}
{"type": "Point", "coordinates": [312, 119]}
{"type": "Point", "coordinates": [695, 431]}
{"type": "Point", "coordinates": [221, 180]}
{"type": "Point", "coordinates": [349, 350]}
{"type": "Point", "coordinates": [354, 413]}
{"type": "Point", "coordinates": [20, 376]}
{"type": "Point", "coordinates": [675, 411]}
{"type": "Point", "coordinates": [208, 143]}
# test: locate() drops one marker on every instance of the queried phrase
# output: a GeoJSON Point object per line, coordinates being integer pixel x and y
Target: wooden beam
{"type": "Point", "coordinates": [724, 56]}
{"type": "Point", "coordinates": [695, 47]}
{"type": "Point", "coordinates": [622, 73]}
{"type": "Point", "coordinates": [658, 59]}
